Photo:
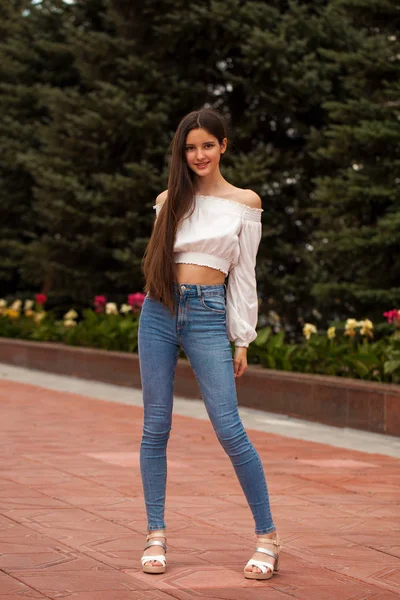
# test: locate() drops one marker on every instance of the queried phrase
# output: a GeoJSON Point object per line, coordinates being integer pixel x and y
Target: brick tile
{"type": "Point", "coordinates": [73, 522]}
{"type": "Point", "coordinates": [80, 581]}
{"type": "Point", "coordinates": [10, 587]}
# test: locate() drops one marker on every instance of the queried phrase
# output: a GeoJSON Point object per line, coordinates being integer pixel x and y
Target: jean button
{"type": "Point", "coordinates": [183, 288]}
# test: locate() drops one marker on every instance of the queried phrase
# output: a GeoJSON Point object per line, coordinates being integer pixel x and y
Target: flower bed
{"type": "Point", "coordinates": [345, 350]}
{"type": "Point", "coordinates": [105, 326]}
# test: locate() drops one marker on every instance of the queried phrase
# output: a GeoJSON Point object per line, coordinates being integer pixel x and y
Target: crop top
{"type": "Point", "coordinates": [225, 235]}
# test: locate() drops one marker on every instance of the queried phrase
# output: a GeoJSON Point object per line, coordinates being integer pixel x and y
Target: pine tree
{"type": "Point", "coordinates": [357, 196]}
{"type": "Point", "coordinates": [100, 161]}
{"type": "Point", "coordinates": [32, 54]}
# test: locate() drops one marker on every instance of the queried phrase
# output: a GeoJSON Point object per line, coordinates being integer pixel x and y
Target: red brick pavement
{"type": "Point", "coordinates": [72, 517]}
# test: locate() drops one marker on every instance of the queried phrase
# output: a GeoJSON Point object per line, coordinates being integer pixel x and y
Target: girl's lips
{"type": "Point", "coordinates": [201, 166]}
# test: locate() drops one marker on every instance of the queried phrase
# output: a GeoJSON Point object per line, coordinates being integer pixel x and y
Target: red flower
{"type": "Point", "coordinates": [392, 315]}
{"type": "Point", "coordinates": [40, 298]}
{"type": "Point", "coordinates": [99, 303]}
{"type": "Point", "coordinates": [100, 300]}
{"type": "Point", "coordinates": [136, 300]}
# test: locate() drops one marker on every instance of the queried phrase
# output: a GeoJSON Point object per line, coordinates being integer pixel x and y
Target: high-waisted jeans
{"type": "Point", "coordinates": [199, 327]}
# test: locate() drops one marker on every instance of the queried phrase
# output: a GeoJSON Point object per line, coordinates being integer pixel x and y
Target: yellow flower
{"type": "Point", "coordinates": [70, 315]}
{"type": "Point", "coordinates": [351, 323]}
{"type": "Point", "coordinates": [29, 313]}
{"type": "Point", "coordinates": [125, 308]}
{"type": "Point", "coordinates": [350, 327]}
{"type": "Point", "coordinates": [308, 330]}
{"type": "Point", "coordinates": [28, 304]}
{"type": "Point", "coordinates": [111, 308]}
{"type": "Point", "coordinates": [39, 316]}
{"type": "Point", "coordinates": [12, 314]}
{"type": "Point", "coordinates": [16, 305]}
{"type": "Point", "coordinates": [69, 323]}
{"type": "Point", "coordinates": [331, 333]}
{"type": "Point", "coordinates": [366, 327]}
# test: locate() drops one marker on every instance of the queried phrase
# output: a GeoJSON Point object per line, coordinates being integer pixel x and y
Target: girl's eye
{"type": "Point", "coordinates": [188, 149]}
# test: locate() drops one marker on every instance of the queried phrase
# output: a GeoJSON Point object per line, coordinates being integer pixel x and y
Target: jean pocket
{"type": "Point", "coordinates": [214, 304]}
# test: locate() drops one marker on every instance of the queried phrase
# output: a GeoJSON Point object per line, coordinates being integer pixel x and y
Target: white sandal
{"type": "Point", "coordinates": [262, 565]}
{"type": "Point", "coordinates": [159, 557]}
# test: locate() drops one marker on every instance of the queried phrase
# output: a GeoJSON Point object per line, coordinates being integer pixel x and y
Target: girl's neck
{"type": "Point", "coordinates": [209, 185]}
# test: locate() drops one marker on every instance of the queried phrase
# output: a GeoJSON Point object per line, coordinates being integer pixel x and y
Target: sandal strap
{"type": "Point", "coordinates": [154, 534]}
{"type": "Point", "coordinates": [156, 543]}
{"type": "Point", "coordinates": [158, 557]}
{"type": "Point", "coordinates": [266, 551]}
{"type": "Point", "coordinates": [270, 541]}
{"type": "Point", "coordinates": [261, 565]}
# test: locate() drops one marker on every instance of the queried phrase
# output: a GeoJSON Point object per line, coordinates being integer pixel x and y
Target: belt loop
{"type": "Point", "coordinates": [198, 290]}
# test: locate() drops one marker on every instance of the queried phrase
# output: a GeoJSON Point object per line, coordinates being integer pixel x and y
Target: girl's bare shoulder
{"type": "Point", "coordinates": [248, 197]}
{"type": "Point", "coordinates": [162, 197]}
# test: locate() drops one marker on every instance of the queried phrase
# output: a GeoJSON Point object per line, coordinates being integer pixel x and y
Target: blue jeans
{"type": "Point", "coordinates": [199, 326]}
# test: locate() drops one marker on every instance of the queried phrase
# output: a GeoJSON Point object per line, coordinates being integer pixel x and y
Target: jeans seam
{"type": "Point", "coordinates": [214, 310]}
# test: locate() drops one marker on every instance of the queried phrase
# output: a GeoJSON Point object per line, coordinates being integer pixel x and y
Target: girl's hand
{"type": "Point", "coordinates": [240, 361]}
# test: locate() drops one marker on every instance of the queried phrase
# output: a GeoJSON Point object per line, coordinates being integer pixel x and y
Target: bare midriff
{"type": "Point", "coordinates": [200, 275]}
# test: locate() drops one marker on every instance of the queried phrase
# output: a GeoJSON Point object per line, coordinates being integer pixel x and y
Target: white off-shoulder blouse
{"type": "Point", "coordinates": [225, 235]}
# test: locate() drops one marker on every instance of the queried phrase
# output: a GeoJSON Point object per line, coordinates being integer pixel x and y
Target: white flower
{"type": "Point", "coordinates": [70, 315]}
{"type": "Point", "coordinates": [111, 308]}
{"type": "Point", "coordinates": [69, 323]}
{"type": "Point", "coordinates": [16, 305]}
{"type": "Point", "coordinates": [28, 304]}
{"type": "Point", "coordinates": [308, 330]}
{"type": "Point", "coordinates": [125, 308]}
{"type": "Point", "coordinates": [3, 303]}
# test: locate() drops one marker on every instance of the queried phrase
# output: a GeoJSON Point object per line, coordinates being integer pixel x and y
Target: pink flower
{"type": "Point", "coordinates": [136, 300]}
{"type": "Point", "coordinates": [99, 303]}
{"type": "Point", "coordinates": [392, 315]}
{"type": "Point", "coordinates": [40, 298]}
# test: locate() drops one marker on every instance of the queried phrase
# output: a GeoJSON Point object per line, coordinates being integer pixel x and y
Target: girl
{"type": "Point", "coordinates": [205, 229]}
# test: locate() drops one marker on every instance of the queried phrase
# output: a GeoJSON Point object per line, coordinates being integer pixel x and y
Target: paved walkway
{"type": "Point", "coordinates": [72, 517]}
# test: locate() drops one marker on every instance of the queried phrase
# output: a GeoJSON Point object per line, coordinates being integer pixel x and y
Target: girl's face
{"type": "Point", "coordinates": [203, 151]}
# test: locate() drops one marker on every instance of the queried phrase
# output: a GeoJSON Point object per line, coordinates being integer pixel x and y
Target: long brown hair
{"type": "Point", "coordinates": [158, 264]}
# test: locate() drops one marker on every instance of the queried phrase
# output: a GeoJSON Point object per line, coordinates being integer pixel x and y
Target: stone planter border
{"type": "Point", "coordinates": [339, 401]}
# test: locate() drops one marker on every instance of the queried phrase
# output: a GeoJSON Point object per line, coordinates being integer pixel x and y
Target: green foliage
{"type": "Point", "coordinates": [356, 201]}
{"type": "Point", "coordinates": [109, 332]}
{"type": "Point", "coordinates": [271, 351]}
